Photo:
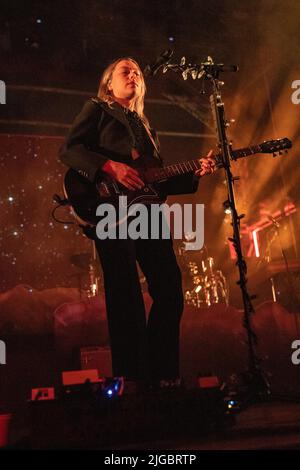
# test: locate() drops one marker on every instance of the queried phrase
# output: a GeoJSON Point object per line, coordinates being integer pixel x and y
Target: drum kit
{"type": "Point", "coordinates": [89, 278]}
{"type": "Point", "coordinates": [203, 285]}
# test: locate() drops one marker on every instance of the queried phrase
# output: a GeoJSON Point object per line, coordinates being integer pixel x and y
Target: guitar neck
{"type": "Point", "coordinates": [160, 174]}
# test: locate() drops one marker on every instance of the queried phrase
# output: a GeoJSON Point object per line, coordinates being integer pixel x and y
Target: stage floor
{"type": "Point", "coordinates": [263, 426]}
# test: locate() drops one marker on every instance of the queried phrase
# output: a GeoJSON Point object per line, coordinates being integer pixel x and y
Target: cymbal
{"type": "Point", "coordinates": [82, 260]}
{"type": "Point", "coordinates": [184, 251]}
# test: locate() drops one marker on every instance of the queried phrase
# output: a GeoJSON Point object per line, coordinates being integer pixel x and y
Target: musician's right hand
{"type": "Point", "coordinates": [124, 174]}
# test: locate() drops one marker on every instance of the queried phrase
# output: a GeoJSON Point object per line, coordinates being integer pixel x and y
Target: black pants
{"type": "Point", "coordinates": [142, 350]}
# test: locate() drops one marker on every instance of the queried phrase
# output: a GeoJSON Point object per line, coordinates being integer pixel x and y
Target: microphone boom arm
{"type": "Point", "coordinates": [207, 69]}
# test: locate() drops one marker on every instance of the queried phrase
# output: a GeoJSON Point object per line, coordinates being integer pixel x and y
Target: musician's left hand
{"type": "Point", "coordinates": [208, 165]}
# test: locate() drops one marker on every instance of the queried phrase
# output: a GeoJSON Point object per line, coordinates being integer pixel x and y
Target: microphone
{"type": "Point", "coordinates": [220, 68]}
{"type": "Point", "coordinates": [274, 221]}
{"type": "Point", "coordinates": [151, 70]}
{"type": "Point", "coordinates": [227, 68]}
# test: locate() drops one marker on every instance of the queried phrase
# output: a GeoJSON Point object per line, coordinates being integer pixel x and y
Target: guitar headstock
{"type": "Point", "coordinates": [272, 146]}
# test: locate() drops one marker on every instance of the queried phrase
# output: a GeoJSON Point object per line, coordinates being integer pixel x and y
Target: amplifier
{"type": "Point", "coordinates": [96, 357]}
{"type": "Point", "coordinates": [76, 377]}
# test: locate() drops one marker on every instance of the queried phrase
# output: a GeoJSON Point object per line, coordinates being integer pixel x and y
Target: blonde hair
{"type": "Point", "coordinates": [105, 95]}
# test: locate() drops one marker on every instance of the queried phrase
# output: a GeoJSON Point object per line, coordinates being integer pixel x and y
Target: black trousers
{"type": "Point", "coordinates": [142, 350]}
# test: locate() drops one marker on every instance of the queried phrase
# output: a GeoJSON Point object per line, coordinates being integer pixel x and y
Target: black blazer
{"type": "Point", "coordinates": [100, 133]}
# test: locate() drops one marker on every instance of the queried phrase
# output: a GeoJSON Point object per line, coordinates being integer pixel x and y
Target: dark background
{"type": "Point", "coordinates": [52, 55]}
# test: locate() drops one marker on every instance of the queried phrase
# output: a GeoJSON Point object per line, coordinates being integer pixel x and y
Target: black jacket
{"type": "Point", "coordinates": [100, 133]}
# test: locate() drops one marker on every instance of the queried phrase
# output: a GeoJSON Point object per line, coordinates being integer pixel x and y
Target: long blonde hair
{"type": "Point", "coordinates": [105, 95]}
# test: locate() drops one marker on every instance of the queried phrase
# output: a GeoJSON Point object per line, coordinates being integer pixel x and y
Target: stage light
{"type": "Point", "coordinates": [112, 387]}
{"type": "Point", "coordinates": [94, 289]}
{"type": "Point", "coordinates": [232, 405]}
{"type": "Point", "coordinates": [226, 207]}
{"type": "Point", "coordinates": [255, 242]}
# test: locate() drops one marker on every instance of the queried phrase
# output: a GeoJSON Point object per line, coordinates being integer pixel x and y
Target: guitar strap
{"type": "Point", "coordinates": [151, 138]}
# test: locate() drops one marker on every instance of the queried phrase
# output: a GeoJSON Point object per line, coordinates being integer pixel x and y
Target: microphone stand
{"type": "Point", "coordinates": [257, 385]}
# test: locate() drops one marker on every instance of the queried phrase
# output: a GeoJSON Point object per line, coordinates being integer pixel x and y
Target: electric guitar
{"type": "Point", "coordinates": [85, 197]}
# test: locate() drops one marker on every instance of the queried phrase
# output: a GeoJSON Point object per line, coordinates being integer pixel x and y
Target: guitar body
{"type": "Point", "coordinates": [85, 197]}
